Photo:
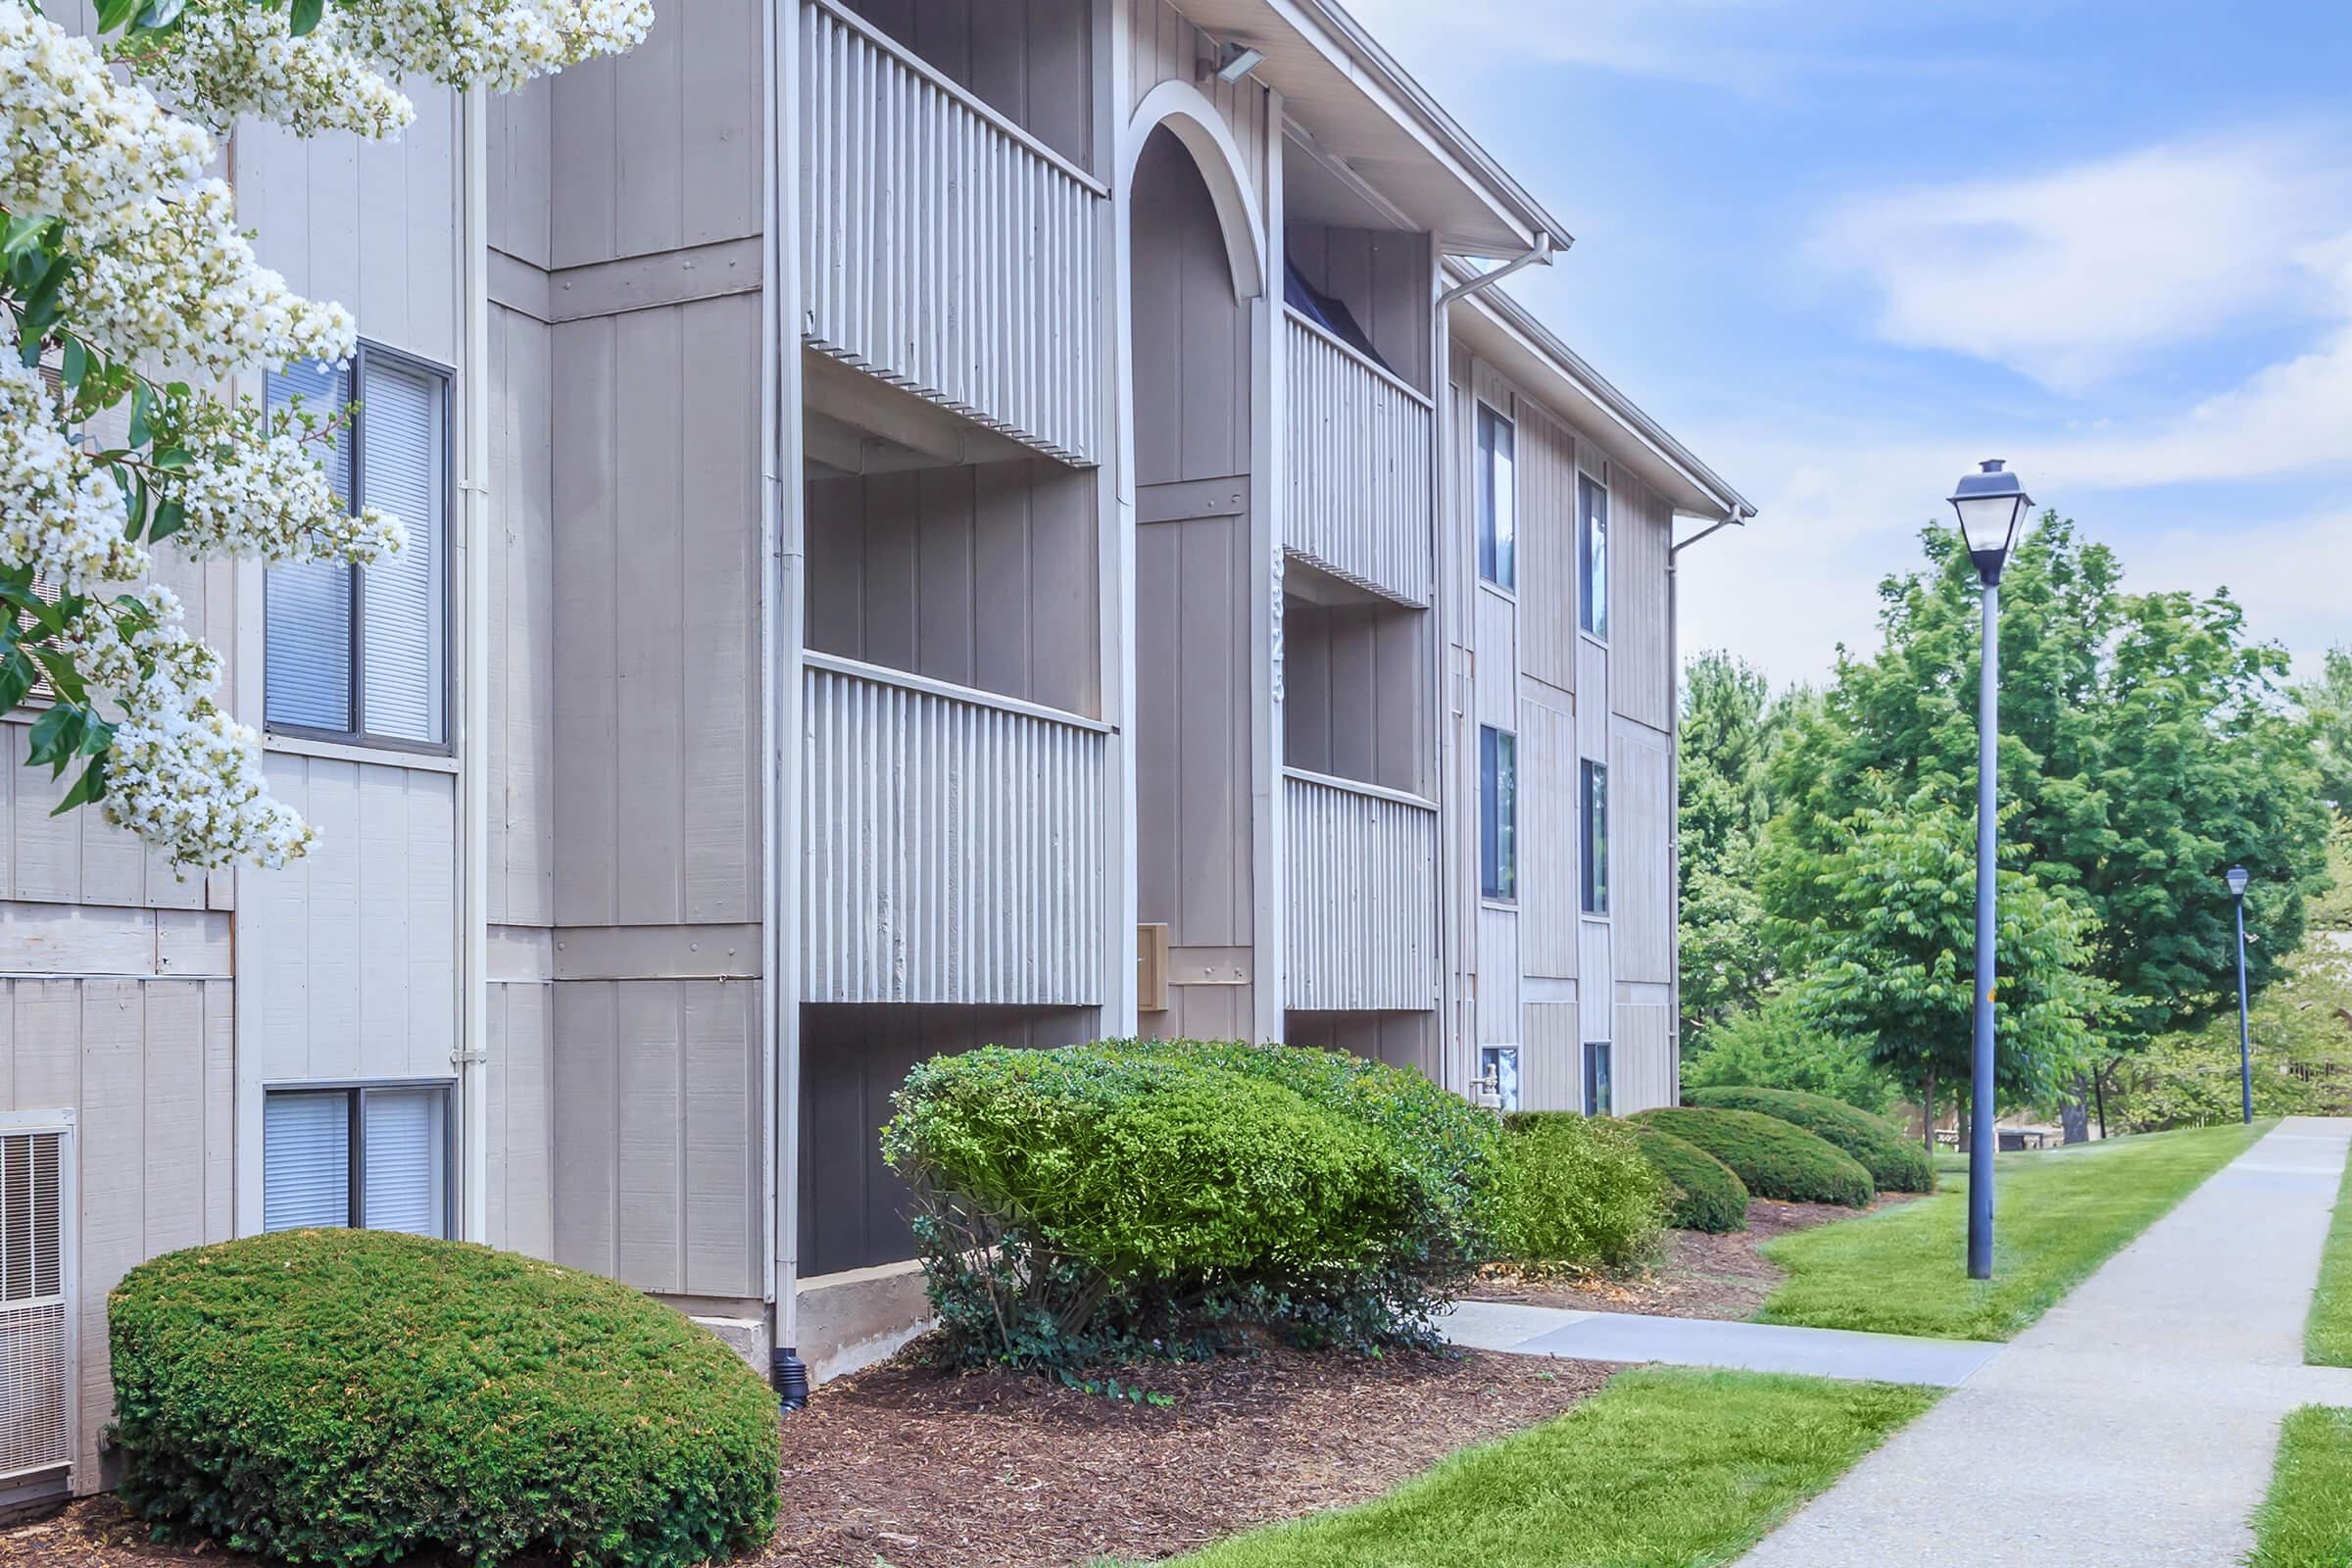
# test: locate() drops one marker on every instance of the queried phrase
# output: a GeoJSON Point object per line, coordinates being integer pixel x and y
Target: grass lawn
{"type": "Point", "coordinates": [2307, 1520]}
{"type": "Point", "coordinates": [2058, 1215]}
{"type": "Point", "coordinates": [1664, 1468]}
{"type": "Point", "coordinates": [2328, 1332]}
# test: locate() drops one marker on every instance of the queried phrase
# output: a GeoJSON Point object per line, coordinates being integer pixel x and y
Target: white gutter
{"type": "Point", "coordinates": [1540, 255]}
{"type": "Point", "coordinates": [473, 730]}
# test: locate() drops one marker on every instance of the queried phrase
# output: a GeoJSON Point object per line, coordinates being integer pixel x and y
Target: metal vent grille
{"type": "Point", "coordinates": [36, 1424]}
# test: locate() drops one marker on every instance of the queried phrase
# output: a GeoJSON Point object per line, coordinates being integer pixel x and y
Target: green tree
{"type": "Point", "coordinates": [1775, 1045]}
{"type": "Point", "coordinates": [2328, 699]}
{"type": "Point", "coordinates": [1730, 725]}
{"type": "Point", "coordinates": [2144, 748]}
{"type": "Point", "coordinates": [1877, 907]}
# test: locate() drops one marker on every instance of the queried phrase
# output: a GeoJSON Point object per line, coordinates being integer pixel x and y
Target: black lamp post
{"type": "Point", "coordinates": [2237, 877]}
{"type": "Point", "coordinates": [1992, 505]}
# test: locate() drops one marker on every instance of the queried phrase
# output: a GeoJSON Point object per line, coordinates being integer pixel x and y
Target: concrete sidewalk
{"type": "Point", "coordinates": [2136, 1422]}
{"type": "Point", "coordinates": [1700, 1341]}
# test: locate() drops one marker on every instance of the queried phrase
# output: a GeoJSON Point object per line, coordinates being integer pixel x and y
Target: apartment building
{"type": "Point", "coordinates": [936, 522]}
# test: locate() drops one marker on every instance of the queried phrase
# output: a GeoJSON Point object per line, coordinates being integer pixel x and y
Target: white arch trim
{"type": "Point", "coordinates": [1189, 113]}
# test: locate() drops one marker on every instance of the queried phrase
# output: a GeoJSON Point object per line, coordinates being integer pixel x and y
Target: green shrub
{"type": "Point", "coordinates": [1896, 1162]}
{"type": "Point", "coordinates": [1132, 1198]}
{"type": "Point", "coordinates": [1775, 1158]}
{"type": "Point", "coordinates": [1774, 1046]}
{"type": "Point", "coordinates": [360, 1396]}
{"type": "Point", "coordinates": [1576, 1193]}
{"type": "Point", "coordinates": [1707, 1195]}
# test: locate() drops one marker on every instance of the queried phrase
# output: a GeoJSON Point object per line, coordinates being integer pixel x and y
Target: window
{"type": "Point", "coordinates": [1498, 501]}
{"type": "Point", "coordinates": [1497, 812]}
{"type": "Point", "coordinates": [1596, 838]}
{"type": "Point", "coordinates": [1498, 1067]}
{"type": "Point", "coordinates": [1592, 558]}
{"type": "Point", "coordinates": [1598, 1100]}
{"type": "Point", "coordinates": [374, 1155]}
{"type": "Point", "coordinates": [361, 653]}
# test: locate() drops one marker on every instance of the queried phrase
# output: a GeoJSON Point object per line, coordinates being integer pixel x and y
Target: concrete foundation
{"type": "Point", "coordinates": [853, 1319]}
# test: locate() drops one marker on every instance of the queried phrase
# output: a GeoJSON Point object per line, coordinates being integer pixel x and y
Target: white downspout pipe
{"type": "Point", "coordinates": [473, 730]}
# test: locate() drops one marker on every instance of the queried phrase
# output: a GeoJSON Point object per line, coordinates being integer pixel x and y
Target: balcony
{"type": "Point", "coordinates": [1363, 896]}
{"type": "Point", "coordinates": [945, 249]}
{"type": "Point", "coordinates": [1358, 460]}
{"type": "Point", "coordinates": [953, 843]}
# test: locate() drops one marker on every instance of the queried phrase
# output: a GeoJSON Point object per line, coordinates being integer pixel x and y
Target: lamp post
{"type": "Point", "coordinates": [2237, 877]}
{"type": "Point", "coordinates": [1992, 503]}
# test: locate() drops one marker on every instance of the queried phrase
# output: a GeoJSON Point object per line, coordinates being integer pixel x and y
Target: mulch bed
{"type": "Point", "coordinates": [918, 1468]}
{"type": "Point", "coordinates": [1718, 1277]}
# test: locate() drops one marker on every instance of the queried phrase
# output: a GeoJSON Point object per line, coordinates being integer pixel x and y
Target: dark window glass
{"type": "Point", "coordinates": [1498, 499]}
{"type": "Point", "coordinates": [1596, 838]}
{"type": "Point", "coordinates": [1499, 812]}
{"type": "Point", "coordinates": [1592, 558]}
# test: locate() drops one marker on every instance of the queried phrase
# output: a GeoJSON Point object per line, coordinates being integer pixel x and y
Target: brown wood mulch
{"type": "Point", "coordinates": [1700, 1276]}
{"type": "Point", "coordinates": [912, 1467]}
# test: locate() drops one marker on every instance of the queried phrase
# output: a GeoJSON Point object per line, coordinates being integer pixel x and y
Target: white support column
{"type": "Point", "coordinates": [1270, 980]}
{"type": "Point", "coordinates": [473, 649]}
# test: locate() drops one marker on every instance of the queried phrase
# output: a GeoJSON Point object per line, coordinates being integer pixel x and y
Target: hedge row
{"type": "Point", "coordinates": [1576, 1192]}
{"type": "Point", "coordinates": [1896, 1162]}
{"type": "Point", "coordinates": [1707, 1195]}
{"type": "Point", "coordinates": [1775, 1158]}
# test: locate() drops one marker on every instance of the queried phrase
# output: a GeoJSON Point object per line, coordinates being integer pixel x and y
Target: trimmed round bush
{"type": "Point", "coordinates": [361, 1397]}
{"type": "Point", "coordinates": [1576, 1193]}
{"type": "Point", "coordinates": [1773, 1157]}
{"type": "Point", "coordinates": [1896, 1163]}
{"type": "Point", "coordinates": [1132, 1198]}
{"type": "Point", "coordinates": [1706, 1193]}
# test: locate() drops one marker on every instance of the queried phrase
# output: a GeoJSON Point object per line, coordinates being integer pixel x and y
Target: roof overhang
{"type": "Point", "coordinates": [1502, 331]}
{"type": "Point", "coordinates": [1356, 114]}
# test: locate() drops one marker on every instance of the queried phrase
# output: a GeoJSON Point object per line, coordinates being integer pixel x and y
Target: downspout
{"type": "Point", "coordinates": [1737, 517]}
{"type": "Point", "coordinates": [473, 377]}
{"type": "Point", "coordinates": [780, 628]}
{"type": "Point", "coordinates": [1541, 255]}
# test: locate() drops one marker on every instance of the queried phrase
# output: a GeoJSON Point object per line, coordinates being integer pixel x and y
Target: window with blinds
{"type": "Point", "coordinates": [361, 653]}
{"type": "Point", "coordinates": [372, 1155]}
{"type": "Point", "coordinates": [37, 1407]}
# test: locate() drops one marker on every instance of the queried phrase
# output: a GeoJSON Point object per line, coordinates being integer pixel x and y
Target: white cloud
{"type": "Point", "coordinates": [2076, 274]}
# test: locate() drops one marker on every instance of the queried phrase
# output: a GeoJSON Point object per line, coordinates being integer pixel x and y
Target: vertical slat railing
{"type": "Point", "coordinates": [945, 249]}
{"type": "Point", "coordinates": [1362, 502]}
{"type": "Point", "coordinates": [953, 844]}
{"type": "Point", "coordinates": [1363, 896]}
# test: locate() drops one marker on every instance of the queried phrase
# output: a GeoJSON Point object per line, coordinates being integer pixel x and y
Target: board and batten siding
{"type": "Point", "coordinates": [1548, 839]}
{"type": "Point", "coordinates": [1641, 890]}
{"type": "Point", "coordinates": [520, 753]}
{"type": "Point", "coordinates": [1642, 1061]}
{"type": "Point", "coordinates": [1641, 678]}
{"type": "Point", "coordinates": [519, 1081]}
{"type": "Point", "coordinates": [1163, 46]}
{"type": "Point", "coordinates": [148, 1067]}
{"type": "Point", "coordinates": [1552, 1059]}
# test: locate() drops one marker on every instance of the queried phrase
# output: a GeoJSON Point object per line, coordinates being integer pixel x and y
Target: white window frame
{"type": "Point", "coordinates": [1497, 514]}
{"type": "Point", "coordinates": [355, 1092]}
{"type": "Point", "coordinates": [1592, 556]}
{"type": "Point", "coordinates": [356, 698]}
{"type": "Point", "coordinates": [38, 1483]}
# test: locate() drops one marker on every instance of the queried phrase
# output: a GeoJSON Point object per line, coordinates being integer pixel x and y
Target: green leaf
{"type": "Point", "coordinates": [159, 15]}
{"type": "Point", "coordinates": [76, 364]}
{"type": "Point", "coordinates": [113, 13]}
{"type": "Point", "coordinates": [142, 398]}
{"type": "Point", "coordinates": [55, 737]}
{"type": "Point", "coordinates": [305, 16]}
{"type": "Point", "coordinates": [64, 676]}
{"type": "Point", "coordinates": [169, 516]}
{"type": "Point", "coordinates": [21, 235]}
{"type": "Point", "coordinates": [87, 789]}
{"type": "Point", "coordinates": [172, 458]}
{"type": "Point", "coordinates": [17, 675]}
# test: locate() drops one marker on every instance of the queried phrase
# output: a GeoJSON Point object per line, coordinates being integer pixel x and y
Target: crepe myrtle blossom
{"type": "Point", "coordinates": [117, 257]}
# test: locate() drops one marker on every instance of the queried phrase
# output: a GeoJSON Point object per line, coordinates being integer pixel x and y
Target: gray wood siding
{"type": "Point", "coordinates": [1355, 693]}
{"type": "Point", "coordinates": [1641, 1059]}
{"type": "Point", "coordinates": [1641, 854]}
{"type": "Point", "coordinates": [348, 958]}
{"type": "Point", "coordinates": [655, 611]}
{"type": "Point", "coordinates": [1194, 571]}
{"type": "Point", "coordinates": [1163, 46]}
{"type": "Point", "coordinates": [985, 575]}
{"type": "Point", "coordinates": [521, 186]}
{"type": "Point", "coordinates": [372, 226]}
{"type": "Point", "coordinates": [520, 1086]}
{"type": "Point", "coordinates": [1399, 1039]}
{"type": "Point", "coordinates": [1549, 891]}
{"type": "Point", "coordinates": [657, 1161]}
{"type": "Point", "coordinates": [1552, 1059]}
{"type": "Point", "coordinates": [1548, 545]}
{"type": "Point", "coordinates": [1641, 661]}
{"type": "Point", "coordinates": [1384, 278]}
{"type": "Point", "coordinates": [1032, 61]}
{"type": "Point", "coordinates": [661, 149]}
{"type": "Point", "coordinates": [148, 1067]}
{"type": "Point", "coordinates": [852, 1059]}
{"type": "Point", "coordinates": [521, 752]}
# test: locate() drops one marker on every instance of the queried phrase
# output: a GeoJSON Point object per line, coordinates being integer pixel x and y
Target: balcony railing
{"type": "Point", "coordinates": [1362, 499]}
{"type": "Point", "coordinates": [945, 249]}
{"type": "Point", "coordinates": [953, 843]}
{"type": "Point", "coordinates": [1363, 896]}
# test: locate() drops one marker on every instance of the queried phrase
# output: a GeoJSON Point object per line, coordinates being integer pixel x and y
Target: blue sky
{"type": "Point", "coordinates": [1843, 250]}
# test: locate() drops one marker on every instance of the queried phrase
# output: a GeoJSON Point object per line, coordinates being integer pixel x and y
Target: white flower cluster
{"type": "Point", "coordinates": [243, 59]}
{"type": "Point", "coordinates": [174, 277]}
{"type": "Point", "coordinates": [498, 44]}
{"type": "Point", "coordinates": [180, 774]}
{"type": "Point", "coordinates": [58, 515]}
{"type": "Point", "coordinates": [76, 141]}
{"type": "Point", "coordinates": [267, 495]}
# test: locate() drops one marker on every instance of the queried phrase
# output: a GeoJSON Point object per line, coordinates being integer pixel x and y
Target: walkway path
{"type": "Point", "coordinates": [2136, 1423]}
{"type": "Point", "coordinates": [1699, 1342]}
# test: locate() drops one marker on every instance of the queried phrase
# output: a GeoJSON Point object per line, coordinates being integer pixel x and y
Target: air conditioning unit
{"type": "Point", "coordinates": [36, 1299]}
